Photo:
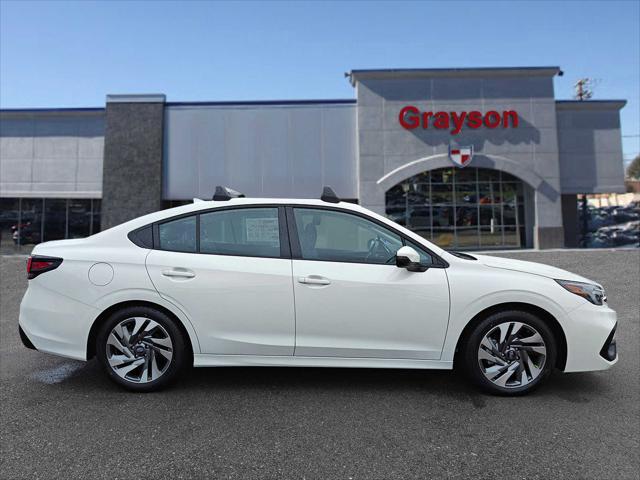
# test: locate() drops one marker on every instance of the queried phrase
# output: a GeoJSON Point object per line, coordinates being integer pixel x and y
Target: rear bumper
{"type": "Point", "coordinates": [590, 335]}
{"type": "Point", "coordinates": [53, 323]}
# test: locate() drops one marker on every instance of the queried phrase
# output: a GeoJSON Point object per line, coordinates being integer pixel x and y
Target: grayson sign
{"type": "Point", "coordinates": [411, 117]}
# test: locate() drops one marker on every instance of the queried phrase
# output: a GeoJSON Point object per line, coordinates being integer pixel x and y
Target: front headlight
{"type": "Point", "coordinates": [594, 293]}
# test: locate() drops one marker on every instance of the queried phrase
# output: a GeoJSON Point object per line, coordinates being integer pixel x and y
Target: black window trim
{"type": "Point", "coordinates": [289, 241]}
{"type": "Point", "coordinates": [285, 248]}
{"type": "Point", "coordinates": [296, 251]}
{"type": "Point", "coordinates": [133, 236]}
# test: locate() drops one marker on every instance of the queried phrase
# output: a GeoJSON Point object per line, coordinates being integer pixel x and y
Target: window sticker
{"type": "Point", "coordinates": [264, 230]}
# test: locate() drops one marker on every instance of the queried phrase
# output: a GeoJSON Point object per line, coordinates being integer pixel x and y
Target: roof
{"type": "Point", "coordinates": [241, 103]}
{"type": "Point", "coordinates": [590, 104]}
{"type": "Point", "coordinates": [137, 98]}
{"type": "Point", "coordinates": [339, 101]}
{"type": "Point", "coordinates": [115, 234]}
{"type": "Point", "coordinates": [27, 111]}
{"type": "Point", "coordinates": [356, 75]}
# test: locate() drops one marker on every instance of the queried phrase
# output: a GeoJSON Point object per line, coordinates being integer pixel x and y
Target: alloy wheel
{"type": "Point", "coordinates": [139, 350]}
{"type": "Point", "coordinates": [512, 354]}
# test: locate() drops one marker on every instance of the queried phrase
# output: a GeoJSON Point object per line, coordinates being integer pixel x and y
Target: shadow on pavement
{"type": "Point", "coordinates": [575, 387]}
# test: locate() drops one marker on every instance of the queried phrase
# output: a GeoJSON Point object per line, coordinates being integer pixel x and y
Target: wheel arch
{"type": "Point", "coordinates": [95, 327]}
{"type": "Point", "coordinates": [548, 318]}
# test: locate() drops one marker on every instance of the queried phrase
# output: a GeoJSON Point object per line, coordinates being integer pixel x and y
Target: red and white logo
{"type": "Point", "coordinates": [461, 156]}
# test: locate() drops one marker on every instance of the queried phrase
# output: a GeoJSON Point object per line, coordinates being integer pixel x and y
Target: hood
{"type": "Point", "coordinates": [531, 267]}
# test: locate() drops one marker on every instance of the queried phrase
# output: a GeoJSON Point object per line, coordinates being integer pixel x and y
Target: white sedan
{"type": "Point", "coordinates": [315, 283]}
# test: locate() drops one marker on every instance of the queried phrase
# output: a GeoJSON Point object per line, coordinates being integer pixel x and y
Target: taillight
{"type": "Point", "coordinates": [38, 264]}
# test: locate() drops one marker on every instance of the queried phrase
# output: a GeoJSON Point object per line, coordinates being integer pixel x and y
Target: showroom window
{"type": "Point", "coordinates": [245, 232]}
{"type": "Point", "coordinates": [341, 237]}
{"type": "Point", "coordinates": [29, 221]}
{"type": "Point", "coordinates": [55, 219]}
{"type": "Point", "coordinates": [79, 218]}
{"type": "Point", "coordinates": [461, 208]}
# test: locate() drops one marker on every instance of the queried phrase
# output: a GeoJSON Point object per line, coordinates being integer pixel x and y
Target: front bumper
{"type": "Point", "coordinates": [590, 333]}
{"type": "Point", "coordinates": [25, 340]}
{"type": "Point", "coordinates": [609, 350]}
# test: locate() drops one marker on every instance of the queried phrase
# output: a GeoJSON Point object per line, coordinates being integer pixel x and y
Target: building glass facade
{"type": "Point", "coordinates": [461, 208]}
{"type": "Point", "coordinates": [29, 221]}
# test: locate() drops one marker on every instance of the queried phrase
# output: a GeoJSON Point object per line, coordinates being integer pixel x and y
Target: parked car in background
{"type": "Point", "coordinates": [625, 234]}
{"type": "Point", "coordinates": [610, 226]}
{"type": "Point", "coordinates": [26, 233]}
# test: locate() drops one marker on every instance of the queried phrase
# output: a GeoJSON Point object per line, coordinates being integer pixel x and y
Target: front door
{"type": "Point", "coordinates": [233, 280]}
{"type": "Point", "coordinates": [351, 299]}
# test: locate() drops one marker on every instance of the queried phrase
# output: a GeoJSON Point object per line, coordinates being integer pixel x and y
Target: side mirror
{"type": "Point", "coordinates": [407, 257]}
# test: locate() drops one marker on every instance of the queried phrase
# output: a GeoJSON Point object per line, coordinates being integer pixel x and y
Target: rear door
{"type": "Point", "coordinates": [229, 270]}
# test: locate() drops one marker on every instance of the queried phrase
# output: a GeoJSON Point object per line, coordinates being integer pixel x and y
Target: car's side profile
{"type": "Point", "coordinates": [283, 282]}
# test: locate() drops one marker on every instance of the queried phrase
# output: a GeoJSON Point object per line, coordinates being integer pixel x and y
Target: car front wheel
{"type": "Point", "coordinates": [141, 348]}
{"type": "Point", "coordinates": [510, 353]}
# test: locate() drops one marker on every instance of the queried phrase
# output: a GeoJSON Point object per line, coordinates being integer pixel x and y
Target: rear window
{"type": "Point", "coordinates": [178, 235]}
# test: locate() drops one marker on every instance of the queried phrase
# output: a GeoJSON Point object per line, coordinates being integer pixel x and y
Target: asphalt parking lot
{"type": "Point", "coordinates": [63, 419]}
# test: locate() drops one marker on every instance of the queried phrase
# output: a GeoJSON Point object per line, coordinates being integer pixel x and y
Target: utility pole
{"type": "Point", "coordinates": [585, 221]}
{"type": "Point", "coordinates": [583, 89]}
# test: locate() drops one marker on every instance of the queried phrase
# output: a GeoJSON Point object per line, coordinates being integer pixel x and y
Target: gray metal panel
{"type": "Point", "coordinates": [260, 150]}
{"type": "Point", "coordinates": [51, 154]}
{"type": "Point", "coordinates": [590, 148]}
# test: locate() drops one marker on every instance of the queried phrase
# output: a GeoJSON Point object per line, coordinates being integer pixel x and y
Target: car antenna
{"type": "Point", "coordinates": [222, 194]}
{"type": "Point", "coordinates": [328, 195]}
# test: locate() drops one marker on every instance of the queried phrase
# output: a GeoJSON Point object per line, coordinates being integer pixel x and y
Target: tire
{"type": "Point", "coordinates": [141, 349]}
{"type": "Point", "coordinates": [509, 353]}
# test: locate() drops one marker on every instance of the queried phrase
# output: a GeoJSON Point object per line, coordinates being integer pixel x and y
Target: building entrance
{"type": "Point", "coordinates": [468, 208]}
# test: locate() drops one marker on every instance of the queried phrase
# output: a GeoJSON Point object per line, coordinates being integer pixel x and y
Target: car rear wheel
{"type": "Point", "coordinates": [510, 353]}
{"type": "Point", "coordinates": [141, 348]}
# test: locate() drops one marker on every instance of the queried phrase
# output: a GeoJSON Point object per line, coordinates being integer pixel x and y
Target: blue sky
{"type": "Point", "coordinates": [69, 54]}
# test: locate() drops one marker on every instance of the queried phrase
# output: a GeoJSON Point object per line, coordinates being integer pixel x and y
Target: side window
{"type": "Point", "coordinates": [178, 235]}
{"type": "Point", "coordinates": [425, 258]}
{"type": "Point", "coordinates": [247, 232]}
{"type": "Point", "coordinates": [335, 236]}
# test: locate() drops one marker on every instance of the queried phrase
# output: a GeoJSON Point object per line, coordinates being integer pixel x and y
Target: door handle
{"type": "Point", "coordinates": [314, 280]}
{"type": "Point", "coordinates": [178, 273]}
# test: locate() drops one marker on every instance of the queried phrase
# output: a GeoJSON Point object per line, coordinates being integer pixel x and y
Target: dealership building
{"type": "Point", "coordinates": [471, 158]}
